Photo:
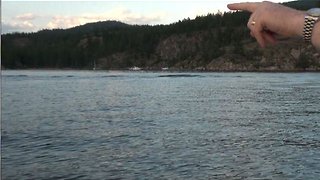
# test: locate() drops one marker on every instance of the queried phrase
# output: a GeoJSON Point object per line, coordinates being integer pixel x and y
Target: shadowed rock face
{"type": "Point", "coordinates": [185, 52]}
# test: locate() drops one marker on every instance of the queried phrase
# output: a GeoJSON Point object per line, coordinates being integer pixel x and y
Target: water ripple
{"type": "Point", "coordinates": [140, 125]}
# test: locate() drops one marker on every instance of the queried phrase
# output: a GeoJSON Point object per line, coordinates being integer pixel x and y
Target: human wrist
{"type": "Point", "coordinates": [298, 24]}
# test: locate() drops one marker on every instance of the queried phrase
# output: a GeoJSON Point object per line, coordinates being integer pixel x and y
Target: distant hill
{"type": "Point", "coordinates": [98, 26]}
{"type": "Point", "coordinates": [217, 42]}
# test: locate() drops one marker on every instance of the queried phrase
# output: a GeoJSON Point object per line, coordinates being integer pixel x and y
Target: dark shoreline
{"type": "Point", "coordinates": [169, 71]}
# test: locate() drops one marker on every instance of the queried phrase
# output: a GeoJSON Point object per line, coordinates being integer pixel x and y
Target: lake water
{"type": "Point", "coordinates": [138, 125]}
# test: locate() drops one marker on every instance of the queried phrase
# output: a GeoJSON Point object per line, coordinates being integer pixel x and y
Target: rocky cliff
{"type": "Point", "coordinates": [187, 52]}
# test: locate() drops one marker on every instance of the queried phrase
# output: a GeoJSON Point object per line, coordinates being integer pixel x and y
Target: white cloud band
{"type": "Point", "coordinates": [119, 14]}
{"type": "Point", "coordinates": [26, 17]}
{"type": "Point", "coordinates": [25, 26]}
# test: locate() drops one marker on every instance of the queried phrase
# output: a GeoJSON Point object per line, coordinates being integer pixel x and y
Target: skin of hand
{"type": "Point", "coordinates": [272, 20]}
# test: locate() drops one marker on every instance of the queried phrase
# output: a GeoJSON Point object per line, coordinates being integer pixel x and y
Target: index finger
{"type": "Point", "coordinates": [248, 6]}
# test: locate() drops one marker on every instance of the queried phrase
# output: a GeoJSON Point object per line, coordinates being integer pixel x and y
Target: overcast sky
{"type": "Point", "coordinates": [30, 16]}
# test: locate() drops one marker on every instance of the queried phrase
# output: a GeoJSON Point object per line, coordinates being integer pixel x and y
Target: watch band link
{"type": "Point", "coordinates": [308, 27]}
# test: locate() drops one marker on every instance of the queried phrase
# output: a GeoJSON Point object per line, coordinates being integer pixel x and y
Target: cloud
{"type": "Point", "coordinates": [20, 23]}
{"type": "Point", "coordinates": [30, 22]}
{"type": "Point", "coordinates": [125, 15]}
{"type": "Point", "coordinates": [25, 17]}
{"type": "Point", "coordinates": [24, 26]}
{"type": "Point", "coordinates": [119, 14]}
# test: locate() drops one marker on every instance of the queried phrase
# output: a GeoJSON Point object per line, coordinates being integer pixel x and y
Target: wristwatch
{"type": "Point", "coordinates": [313, 16]}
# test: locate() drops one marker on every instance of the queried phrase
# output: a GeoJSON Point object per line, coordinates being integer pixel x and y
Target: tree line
{"type": "Point", "coordinates": [80, 46]}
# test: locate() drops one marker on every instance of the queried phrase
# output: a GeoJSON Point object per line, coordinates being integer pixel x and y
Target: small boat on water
{"type": "Point", "coordinates": [135, 68]}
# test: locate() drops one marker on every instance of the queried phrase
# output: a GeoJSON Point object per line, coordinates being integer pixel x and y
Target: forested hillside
{"type": "Point", "coordinates": [219, 42]}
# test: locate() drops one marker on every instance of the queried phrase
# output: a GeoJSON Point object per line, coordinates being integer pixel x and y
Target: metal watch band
{"type": "Point", "coordinates": [308, 27]}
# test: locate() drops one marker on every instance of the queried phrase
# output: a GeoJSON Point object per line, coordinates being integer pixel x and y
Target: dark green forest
{"type": "Point", "coordinates": [116, 45]}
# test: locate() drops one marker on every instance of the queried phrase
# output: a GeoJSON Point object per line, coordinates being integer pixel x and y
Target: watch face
{"type": "Point", "coordinates": [314, 12]}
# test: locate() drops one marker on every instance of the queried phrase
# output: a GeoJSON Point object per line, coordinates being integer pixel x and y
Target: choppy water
{"type": "Point", "coordinates": [124, 125]}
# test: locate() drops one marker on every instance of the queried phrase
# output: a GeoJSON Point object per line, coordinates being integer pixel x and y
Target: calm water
{"type": "Point", "coordinates": [124, 125]}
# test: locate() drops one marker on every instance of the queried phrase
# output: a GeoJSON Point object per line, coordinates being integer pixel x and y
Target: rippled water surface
{"type": "Point", "coordinates": [125, 125]}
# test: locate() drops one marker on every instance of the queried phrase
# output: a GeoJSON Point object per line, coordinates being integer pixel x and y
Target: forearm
{"type": "Point", "coordinates": [316, 36]}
